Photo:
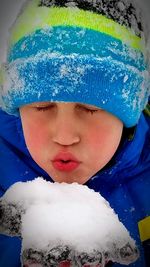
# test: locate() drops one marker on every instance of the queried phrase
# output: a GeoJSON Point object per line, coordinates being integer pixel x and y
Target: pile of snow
{"type": "Point", "coordinates": [65, 216]}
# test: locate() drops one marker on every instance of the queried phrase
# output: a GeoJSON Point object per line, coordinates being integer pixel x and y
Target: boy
{"type": "Point", "coordinates": [77, 81]}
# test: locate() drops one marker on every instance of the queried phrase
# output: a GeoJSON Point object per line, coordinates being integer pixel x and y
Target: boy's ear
{"type": "Point", "coordinates": [10, 219]}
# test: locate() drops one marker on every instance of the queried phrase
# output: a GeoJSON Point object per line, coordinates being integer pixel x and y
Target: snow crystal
{"type": "Point", "coordinates": [12, 79]}
{"type": "Point", "coordinates": [71, 4]}
{"type": "Point", "coordinates": [71, 215]}
{"type": "Point", "coordinates": [121, 5]}
{"type": "Point", "coordinates": [125, 78]}
{"type": "Point", "coordinates": [64, 70]}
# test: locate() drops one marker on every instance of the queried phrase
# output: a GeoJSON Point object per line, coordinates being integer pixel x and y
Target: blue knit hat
{"type": "Point", "coordinates": [78, 51]}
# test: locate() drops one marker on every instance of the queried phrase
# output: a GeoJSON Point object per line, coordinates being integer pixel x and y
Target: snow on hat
{"type": "Point", "coordinates": [87, 51]}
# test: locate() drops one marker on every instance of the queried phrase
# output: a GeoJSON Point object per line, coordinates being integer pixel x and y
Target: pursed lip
{"type": "Point", "coordinates": [65, 156]}
{"type": "Point", "coordinates": [65, 161]}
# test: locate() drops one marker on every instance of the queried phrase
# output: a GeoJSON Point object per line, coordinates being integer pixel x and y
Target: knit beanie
{"type": "Point", "coordinates": [86, 51]}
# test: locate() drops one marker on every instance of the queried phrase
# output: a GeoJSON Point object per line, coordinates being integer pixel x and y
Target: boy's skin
{"type": "Point", "coordinates": [65, 130]}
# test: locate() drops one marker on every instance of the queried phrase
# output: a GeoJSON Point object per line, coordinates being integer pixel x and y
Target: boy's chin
{"type": "Point", "coordinates": [69, 178]}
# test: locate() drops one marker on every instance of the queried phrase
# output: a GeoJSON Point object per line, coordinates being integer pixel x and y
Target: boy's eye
{"type": "Point", "coordinates": [44, 108]}
{"type": "Point", "coordinates": [47, 107]}
{"type": "Point", "coordinates": [88, 109]}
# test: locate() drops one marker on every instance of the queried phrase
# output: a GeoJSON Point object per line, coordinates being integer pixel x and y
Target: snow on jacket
{"type": "Point", "coordinates": [125, 183]}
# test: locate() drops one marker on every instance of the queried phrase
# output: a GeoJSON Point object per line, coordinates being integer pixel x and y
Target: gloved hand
{"type": "Point", "coordinates": [64, 225]}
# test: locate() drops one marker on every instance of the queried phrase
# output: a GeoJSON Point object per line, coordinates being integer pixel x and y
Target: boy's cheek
{"type": "Point", "coordinates": [95, 139]}
{"type": "Point", "coordinates": [35, 138]}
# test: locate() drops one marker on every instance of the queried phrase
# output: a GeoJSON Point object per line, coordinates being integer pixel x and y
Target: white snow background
{"type": "Point", "coordinates": [10, 8]}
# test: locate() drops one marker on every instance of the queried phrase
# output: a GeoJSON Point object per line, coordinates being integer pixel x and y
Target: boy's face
{"type": "Point", "coordinates": [70, 141]}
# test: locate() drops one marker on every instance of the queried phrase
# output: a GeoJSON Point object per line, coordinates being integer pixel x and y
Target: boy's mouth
{"type": "Point", "coordinates": [65, 161]}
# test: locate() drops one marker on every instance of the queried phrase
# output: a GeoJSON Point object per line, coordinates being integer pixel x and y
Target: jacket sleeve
{"type": "Point", "coordinates": [10, 249]}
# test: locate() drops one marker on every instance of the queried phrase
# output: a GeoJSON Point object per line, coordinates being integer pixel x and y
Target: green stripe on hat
{"type": "Point", "coordinates": [122, 11]}
{"type": "Point", "coordinates": [31, 21]}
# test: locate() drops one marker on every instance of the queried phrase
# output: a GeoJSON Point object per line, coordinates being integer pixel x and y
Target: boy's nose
{"type": "Point", "coordinates": [65, 132]}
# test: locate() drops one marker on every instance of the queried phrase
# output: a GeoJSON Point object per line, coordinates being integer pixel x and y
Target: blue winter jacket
{"type": "Point", "coordinates": [125, 183]}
